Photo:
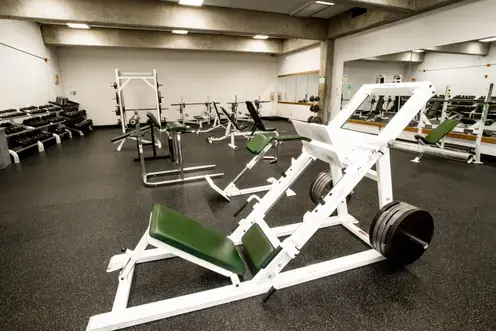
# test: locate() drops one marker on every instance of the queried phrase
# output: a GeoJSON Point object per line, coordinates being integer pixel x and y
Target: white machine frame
{"type": "Point", "coordinates": [122, 79]}
{"type": "Point", "coordinates": [342, 149]}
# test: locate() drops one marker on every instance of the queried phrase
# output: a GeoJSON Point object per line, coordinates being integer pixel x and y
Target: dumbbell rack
{"type": "Point", "coordinates": [40, 144]}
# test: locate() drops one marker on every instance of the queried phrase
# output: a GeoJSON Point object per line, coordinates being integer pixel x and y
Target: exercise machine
{"type": "Point", "coordinates": [259, 146]}
{"type": "Point", "coordinates": [434, 146]}
{"type": "Point", "coordinates": [122, 79]}
{"type": "Point", "coordinates": [233, 130]}
{"type": "Point", "coordinates": [185, 118]}
{"type": "Point", "coordinates": [174, 131]}
{"type": "Point", "coordinates": [238, 116]}
{"type": "Point", "coordinates": [220, 122]}
{"type": "Point", "coordinates": [400, 232]}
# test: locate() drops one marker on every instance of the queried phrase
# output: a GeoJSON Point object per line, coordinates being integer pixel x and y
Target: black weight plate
{"type": "Point", "coordinates": [310, 119]}
{"type": "Point", "coordinates": [400, 248]}
{"type": "Point", "coordinates": [379, 227]}
{"type": "Point", "coordinates": [372, 230]}
{"type": "Point", "coordinates": [317, 120]}
{"type": "Point", "coordinates": [392, 216]}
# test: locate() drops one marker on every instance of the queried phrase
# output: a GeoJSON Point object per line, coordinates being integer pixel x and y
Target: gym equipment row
{"type": "Point", "coordinates": [400, 233]}
{"type": "Point", "coordinates": [121, 80]}
{"type": "Point", "coordinates": [174, 132]}
{"type": "Point", "coordinates": [199, 120]}
{"type": "Point", "coordinates": [238, 116]}
{"type": "Point", "coordinates": [233, 129]}
{"type": "Point", "coordinates": [452, 121]}
{"type": "Point", "coordinates": [259, 147]}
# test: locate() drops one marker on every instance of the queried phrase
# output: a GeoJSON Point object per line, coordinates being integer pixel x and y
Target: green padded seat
{"type": "Point", "coordinates": [257, 246]}
{"type": "Point", "coordinates": [188, 235]}
{"type": "Point", "coordinates": [258, 143]}
{"type": "Point", "coordinates": [438, 133]}
{"type": "Point", "coordinates": [175, 127]}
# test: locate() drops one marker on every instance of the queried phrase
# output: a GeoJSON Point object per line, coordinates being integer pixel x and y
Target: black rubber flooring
{"type": "Point", "coordinates": [65, 212]}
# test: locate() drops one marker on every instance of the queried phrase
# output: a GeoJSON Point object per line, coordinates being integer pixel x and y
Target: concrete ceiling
{"type": "Point", "coordinates": [305, 8]}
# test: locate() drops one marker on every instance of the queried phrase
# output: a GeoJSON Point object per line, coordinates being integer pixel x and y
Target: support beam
{"type": "Point", "coordinates": [399, 57]}
{"type": "Point", "coordinates": [325, 78]}
{"type": "Point", "coordinates": [295, 45]}
{"type": "Point", "coordinates": [387, 5]}
{"type": "Point", "coordinates": [467, 48]}
{"type": "Point", "coordinates": [62, 36]}
{"type": "Point", "coordinates": [343, 25]}
{"type": "Point", "coordinates": [164, 16]}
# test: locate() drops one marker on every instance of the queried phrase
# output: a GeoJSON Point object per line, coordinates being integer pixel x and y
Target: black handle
{"type": "Point", "coordinates": [241, 208]}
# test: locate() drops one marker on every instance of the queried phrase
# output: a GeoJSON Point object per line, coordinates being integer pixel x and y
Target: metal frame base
{"type": "Point", "coordinates": [148, 183]}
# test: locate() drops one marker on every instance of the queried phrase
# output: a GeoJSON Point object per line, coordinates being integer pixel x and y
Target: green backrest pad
{"type": "Point", "coordinates": [175, 127]}
{"type": "Point", "coordinates": [441, 131]}
{"type": "Point", "coordinates": [190, 236]}
{"type": "Point", "coordinates": [258, 143]}
{"type": "Point", "coordinates": [257, 246]}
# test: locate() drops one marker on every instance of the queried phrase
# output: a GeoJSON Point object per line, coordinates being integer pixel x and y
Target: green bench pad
{"type": "Point", "coordinates": [258, 143]}
{"type": "Point", "coordinates": [257, 246]}
{"type": "Point", "coordinates": [176, 127]}
{"type": "Point", "coordinates": [290, 138]}
{"type": "Point", "coordinates": [441, 131]}
{"type": "Point", "coordinates": [188, 235]}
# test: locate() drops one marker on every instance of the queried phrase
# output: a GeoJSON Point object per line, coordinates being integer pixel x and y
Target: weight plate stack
{"type": "Point", "coordinates": [401, 232]}
{"type": "Point", "coordinates": [321, 187]}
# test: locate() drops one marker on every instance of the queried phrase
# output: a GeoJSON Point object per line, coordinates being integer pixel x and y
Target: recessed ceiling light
{"type": "Point", "coordinates": [262, 37]}
{"type": "Point", "coordinates": [418, 51]}
{"type": "Point", "coordinates": [197, 3]}
{"type": "Point", "coordinates": [488, 40]}
{"type": "Point", "coordinates": [325, 3]}
{"type": "Point", "coordinates": [180, 31]}
{"type": "Point", "coordinates": [78, 25]}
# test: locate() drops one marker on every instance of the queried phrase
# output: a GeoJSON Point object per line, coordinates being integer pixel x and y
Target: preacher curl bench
{"type": "Point", "coordinates": [399, 232]}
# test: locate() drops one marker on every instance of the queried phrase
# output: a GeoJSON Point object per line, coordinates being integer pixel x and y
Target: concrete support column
{"type": "Point", "coordinates": [325, 78]}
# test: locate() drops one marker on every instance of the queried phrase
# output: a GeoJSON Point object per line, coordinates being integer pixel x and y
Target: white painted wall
{"type": "Point", "coordinates": [26, 80]}
{"type": "Point", "coordinates": [465, 73]}
{"type": "Point", "coordinates": [302, 61]}
{"type": "Point", "coordinates": [467, 20]}
{"type": "Point", "coordinates": [192, 75]}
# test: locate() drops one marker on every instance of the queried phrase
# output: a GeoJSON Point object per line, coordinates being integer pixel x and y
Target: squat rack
{"type": "Point", "coordinates": [121, 80]}
{"type": "Point", "coordinates": [197, 120]}
{"type": "Point", "coordinates": [234, 108]}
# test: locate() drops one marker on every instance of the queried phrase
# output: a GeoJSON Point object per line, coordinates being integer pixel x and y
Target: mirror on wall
{"type": "Point", "coordinates": [298, 88]}
{"type": "Point", "coordinates": [461, 73]}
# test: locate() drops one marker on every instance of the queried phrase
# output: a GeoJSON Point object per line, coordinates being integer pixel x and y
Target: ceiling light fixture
{"type": "Point", "coordinates": [180, 31]}
{"type": "Point", "coordinates": [488, 40]}
{"type": "Point", "coordinates": [197, 3]}
{"type": "Point", "coordinates": [78, 25]}
{"type": "Point", "coordinates": [261, 37]}
{"type": "Point", "coordinates": [325, 3]}
{"type": "Point", "coordinates": [418, 51]}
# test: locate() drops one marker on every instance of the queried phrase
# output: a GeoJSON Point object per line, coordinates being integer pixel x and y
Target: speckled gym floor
{"type": "Point", "coordinates": [64, 213]}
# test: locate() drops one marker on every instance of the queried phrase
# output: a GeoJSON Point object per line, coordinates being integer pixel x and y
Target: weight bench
{"type": "Point", "coordinates": [219, 122]}
{"type": "Point", "coordinates": [258, 147]}
{"type": "Point", "coordinates": [433, 143]}
{"type": "Point", "coordinates": [174, 131]}
{"type": "Point", "coordinates": [352, 157]}
{"type": "Point", "coordinates": [234, 130]}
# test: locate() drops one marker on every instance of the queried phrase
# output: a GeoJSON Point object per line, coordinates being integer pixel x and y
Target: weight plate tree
{"type": "Point", "coordinates": [401, 232]}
